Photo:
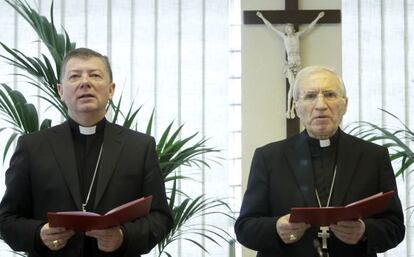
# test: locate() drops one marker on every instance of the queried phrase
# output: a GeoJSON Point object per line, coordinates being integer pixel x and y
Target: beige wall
{"type": "Point", "coordinates": [263, 81]}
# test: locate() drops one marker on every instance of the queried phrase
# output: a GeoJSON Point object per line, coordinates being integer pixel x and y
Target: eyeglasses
{"type": "Point", "coordinates": [328, 95]}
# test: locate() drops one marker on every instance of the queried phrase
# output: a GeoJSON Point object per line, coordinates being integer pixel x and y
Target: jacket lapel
{"type": "Point", "coordinates": [62, 144]}
{"type": "Point", "coordinates": [301, 163]}
{"type": "Point", "coordinates": [113, 142]}
{"type": "Point", "coordinates": [347, 160]}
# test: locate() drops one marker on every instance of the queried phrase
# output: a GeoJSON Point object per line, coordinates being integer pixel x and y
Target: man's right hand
{"type": "Point", "coordinates": [55, 238]}
{"type": "Point", "coordinates": [290, 232]}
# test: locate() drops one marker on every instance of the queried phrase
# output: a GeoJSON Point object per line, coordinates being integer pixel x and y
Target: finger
{"type": "Point", "coordinates": [345, 236]}
{"type": "Point", "coordinates": [67, 235]}
{"type": "Point", "coordinates": [348, 223]}
{"type": "Point", "coordinates": [57, 240]}
{"type": "Point", "coordinates": [57, 236]}
{"type": "Point", "coordinates": [108, 244]}
{"type": "Point", "coordinates": [51, 230]}
{"type": "Point", "coordinates": [48, 234]}
{"type": "Point", "coordinates": [105, 247]}
{"type": "Point", "coordinates": [56, 245]}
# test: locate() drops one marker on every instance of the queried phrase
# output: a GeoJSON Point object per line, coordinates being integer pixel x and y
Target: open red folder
{"type": "Point", "coordinates": [325, 216]}
{"type": "Point", "coordinates": [84, 221]}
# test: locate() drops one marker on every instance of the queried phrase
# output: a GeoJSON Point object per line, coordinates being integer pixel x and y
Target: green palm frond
{"type": "Point", "coordinates": [19, 113]}
{"type": "Point", "coordinates": [21, 116]}
{"type": "Point", "coordinates": [58, 44]}
{"type": "Point", "coordinates": [396, 140]}
{"type": "Point", "coordinates": [174, 151]}
{"type": "Point", "coordinates": [43, 74]}
{"type": "Point", "coordinates": [129, 119]}
{"type": "Point", "coordinates": [188, 211]}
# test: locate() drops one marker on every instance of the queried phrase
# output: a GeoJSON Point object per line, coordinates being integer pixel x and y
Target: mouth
{"type": "Point", "coordinates": [321, 117]}
{"type": "Point", "coordinates": [86, 96]}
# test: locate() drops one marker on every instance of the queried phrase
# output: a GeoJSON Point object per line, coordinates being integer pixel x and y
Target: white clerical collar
{"type": "Point", "coordinates": [87, 130]}
{"type": "Point", "coordinates": [324, 142]}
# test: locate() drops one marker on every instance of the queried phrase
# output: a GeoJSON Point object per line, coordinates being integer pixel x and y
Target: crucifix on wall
{"type": "Point", "coordinates": [292, 17]}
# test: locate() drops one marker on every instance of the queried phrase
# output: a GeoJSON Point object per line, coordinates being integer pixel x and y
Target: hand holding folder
{"type": "Point", "coordinates": [324, 216]}
{"type": "Point", "coordinates": [84, 221]}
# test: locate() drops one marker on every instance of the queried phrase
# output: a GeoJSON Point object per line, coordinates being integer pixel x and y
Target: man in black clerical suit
{"type": "Point", "coordinates": [322, 166]}
{"type": "Point", "coordinates": [86, 163]}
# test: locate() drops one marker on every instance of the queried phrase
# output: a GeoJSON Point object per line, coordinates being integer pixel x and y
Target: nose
{"type": "Point", "coordinates": [85, 81]}
{"type": "Point", "coordinates": [320, 102]}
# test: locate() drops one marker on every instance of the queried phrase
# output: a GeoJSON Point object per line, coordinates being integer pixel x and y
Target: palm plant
{"type": "Point", "coordinates": [396, 140]}
{"type": "Point", "coordinates": [173, 150]}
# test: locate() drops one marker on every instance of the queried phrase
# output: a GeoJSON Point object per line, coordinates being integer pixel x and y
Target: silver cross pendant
{"type": "Point", "coordinates": [324, 234]}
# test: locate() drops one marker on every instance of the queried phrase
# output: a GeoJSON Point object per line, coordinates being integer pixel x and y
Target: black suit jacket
{"type": "Point", "coordinates": [43, 177]}
{"type": "Point", "coordinates": [281, 177]}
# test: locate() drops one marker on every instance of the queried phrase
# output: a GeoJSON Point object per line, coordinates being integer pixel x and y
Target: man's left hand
{"type": "Point", "coordinates": [109, 240]}
{"type": "Point", "coordinates": [349, 232]}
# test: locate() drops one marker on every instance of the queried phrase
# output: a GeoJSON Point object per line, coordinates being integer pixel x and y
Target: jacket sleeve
{"type": "Point", "coordinates": [255, 228]}
{"type": "Point", "coordinates": [17, 228]}
{"type": "Point", "coordinates": [144, 233]}
{"type": "Point", "coordinates": [386, 230]}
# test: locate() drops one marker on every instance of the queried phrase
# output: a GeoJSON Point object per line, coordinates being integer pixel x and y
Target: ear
{"type": "Point", "coordinates": [346, 105]}
{"type": "Point", "coordinates": [297, 108]}
{"type": "Point", "coordinates": [111, 90]}
{"type": "Point", "coordinates": [60, 91]}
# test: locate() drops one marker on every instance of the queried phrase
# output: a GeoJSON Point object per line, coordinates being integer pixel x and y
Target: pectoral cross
{"type": "Point", "coordinates": [324, 234]}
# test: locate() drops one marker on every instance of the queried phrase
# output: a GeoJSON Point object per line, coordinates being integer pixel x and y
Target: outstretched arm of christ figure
{"type": "Point", "coordinates": [312, 24]}
{"type": "Point", "coordinates": [269, 25]}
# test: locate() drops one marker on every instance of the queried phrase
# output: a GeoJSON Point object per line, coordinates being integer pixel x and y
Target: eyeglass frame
{"type": "Point", "coordinates": [335, 95]}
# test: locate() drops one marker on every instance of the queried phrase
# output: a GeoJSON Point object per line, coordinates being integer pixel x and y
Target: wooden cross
{"type": "Point", "coordinates": [293, 15]}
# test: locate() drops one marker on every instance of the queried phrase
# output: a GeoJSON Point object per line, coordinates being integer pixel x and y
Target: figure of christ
{"type": "Point", "coordinates": [292, 47]}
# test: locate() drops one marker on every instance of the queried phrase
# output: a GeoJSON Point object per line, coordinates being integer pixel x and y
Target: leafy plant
{"type": "Point", "coordinates": [173, 150]}
{"type": "Point", "coordinates": [397, 141]}
{"type": "Point", "coordinates": [21, 116]}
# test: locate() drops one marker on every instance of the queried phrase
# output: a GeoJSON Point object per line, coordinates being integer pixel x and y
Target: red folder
{"type": "Point", "coordinates": [84, 221]}
{"type": "Point", "coordinates": [325, 216]}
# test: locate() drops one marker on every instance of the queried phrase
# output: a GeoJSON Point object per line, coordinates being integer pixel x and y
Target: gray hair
{"type": "Point", "coordinates": [307, 71]}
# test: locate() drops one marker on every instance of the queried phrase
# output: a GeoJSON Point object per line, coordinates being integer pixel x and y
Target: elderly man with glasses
{"type": "Point", "coordinates": [320, 167]}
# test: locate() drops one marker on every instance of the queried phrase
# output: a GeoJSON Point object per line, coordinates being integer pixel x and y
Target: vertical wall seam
{"type": "Point", "coordinates": [109, 31]}
{"type": "Point", "coordinates": [15, 45]}
{"type": "Point", "coordinates": [179, 60]}
{"type": "Point", "coordinates": [203, 103]}
{"type": "Point", "coordinates": [179, 94]}
{"type": "Point", "coordinates": [382, 63]}
{"type": "Point", "coordinates": [63, 15]}
{"type": "Point", "coordinates": [155, 123]}
{"type": "Point", "coordinates": [39, 53]}
{"type": "Point", "coordinates": [359, 63]}
{"type": "Point", "coordinates": [132, 88]}
{"type": "Point", "coordinates": [407, 120]}
{"type": "Point", "coordinates": [407, 81]}
{"type": "Point", "coordinates": [86, 23]}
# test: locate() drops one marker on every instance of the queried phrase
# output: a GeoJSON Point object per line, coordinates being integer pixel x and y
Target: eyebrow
{"type": "Point", "coordinates": [90, 70]}
{"type": "Point", "coordinates": [324, 90]}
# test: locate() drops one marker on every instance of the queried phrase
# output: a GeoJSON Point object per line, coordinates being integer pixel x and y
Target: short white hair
{"type": "Point", "coordinates": [307, 71]}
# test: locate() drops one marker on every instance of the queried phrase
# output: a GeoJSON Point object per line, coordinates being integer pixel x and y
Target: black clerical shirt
{"type": "Point", "coordinates": [87, 149]}
{"type": "Point", "coordinates": [324, 162]}
{"type": "Point", "coordinates": [86, 153]}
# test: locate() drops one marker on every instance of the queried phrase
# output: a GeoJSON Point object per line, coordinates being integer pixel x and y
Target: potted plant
{"type": "Point", "coordinates": [399, 141]}
{"type": "Point", "coordinates": [173, 150]}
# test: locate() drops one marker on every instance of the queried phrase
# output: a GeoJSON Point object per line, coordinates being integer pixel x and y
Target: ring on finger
{"type": "Point", "coordinates": [55, 243]}
{"type": "Point", "coordinates": [292, 237]}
